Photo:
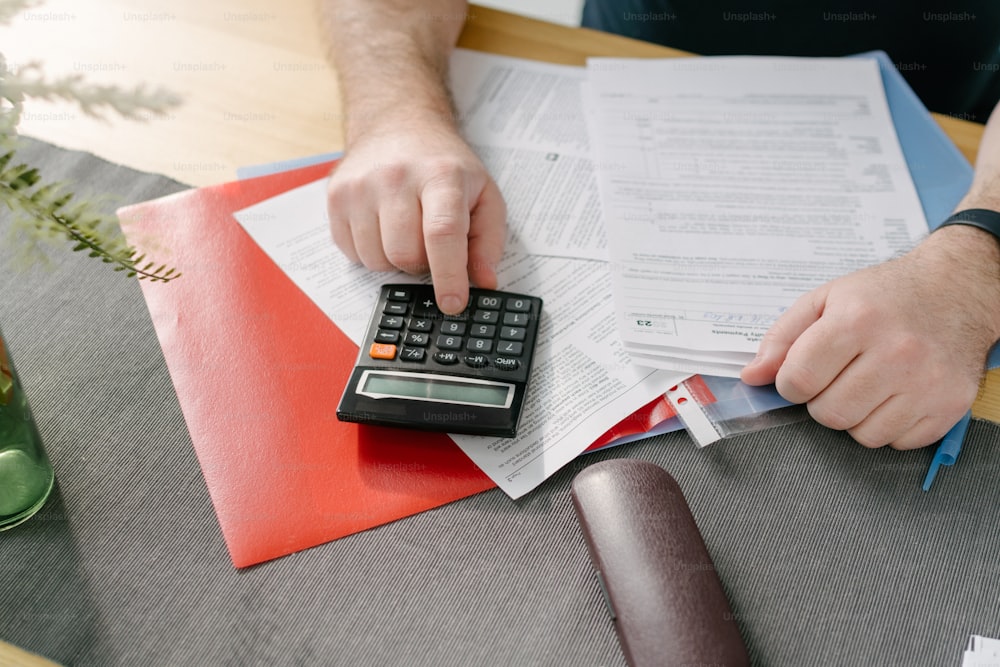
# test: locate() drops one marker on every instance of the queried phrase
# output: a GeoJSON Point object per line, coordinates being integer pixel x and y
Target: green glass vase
{"type": "Point", "coordinates": [26, 476]}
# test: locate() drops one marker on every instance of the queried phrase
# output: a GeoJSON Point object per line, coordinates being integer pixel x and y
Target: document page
{"type": "Point", "coordinates": [731, 186]}
{"type": "Point", "coordinates": [525, 121]}
{"type": "Point", "coordinates": [981, 652]}
{"type": "Point", "coordinates": [582, 381]}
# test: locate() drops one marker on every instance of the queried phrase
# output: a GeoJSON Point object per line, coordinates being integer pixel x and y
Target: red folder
{"type": "Point", "coordinates": [259, 369]}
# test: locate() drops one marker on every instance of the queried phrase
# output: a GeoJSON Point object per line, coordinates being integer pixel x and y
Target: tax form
{"type": "Point", "coordinates": [525, 120]}
{"type": "Point", "coordinates": [520, 116]}
{"type": "Point", "coordinates": [732, 185]}
{"type": "Point", "coordinates": [582, 381]}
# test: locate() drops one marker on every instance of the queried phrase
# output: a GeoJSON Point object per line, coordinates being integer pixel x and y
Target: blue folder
{"type": "Point", "coordinates": [267, 168]}
{"type": "Point", "coordinates": [940, 172]}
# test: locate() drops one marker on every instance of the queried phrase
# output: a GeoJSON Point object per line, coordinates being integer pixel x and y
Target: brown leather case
{"type": "Point", "coordinates": [667, 601]}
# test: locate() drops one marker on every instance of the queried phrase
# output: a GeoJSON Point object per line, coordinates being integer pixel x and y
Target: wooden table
{"type": "Point", "coordinates": [257, 88]}
{"type": "Point", "coordinates": [253, 76]}
{"type": "Point", "coordinates": [256, 85]}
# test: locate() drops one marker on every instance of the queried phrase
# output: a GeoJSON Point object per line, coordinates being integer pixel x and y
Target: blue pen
{"type": "Point", "coordinates": [947, 452]}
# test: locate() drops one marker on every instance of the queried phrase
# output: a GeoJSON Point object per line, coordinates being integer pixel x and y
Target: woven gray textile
{"type": "Point", "coordinates": [830, 554]}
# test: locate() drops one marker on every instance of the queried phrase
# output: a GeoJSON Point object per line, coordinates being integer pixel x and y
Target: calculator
{"type": "Point", "coordinates": [419, 368]}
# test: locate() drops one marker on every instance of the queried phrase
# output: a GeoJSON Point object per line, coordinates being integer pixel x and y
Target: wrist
{"type": "Point", "coordinates": [983, 219]}
{"type": "Point", "coordinates": [418, 121]}
{"type": "Point", "coordinates": [966, 260]}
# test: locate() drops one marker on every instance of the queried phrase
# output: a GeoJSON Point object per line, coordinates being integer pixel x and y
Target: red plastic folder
{"type": "Point", "coordinates": [258, 370]}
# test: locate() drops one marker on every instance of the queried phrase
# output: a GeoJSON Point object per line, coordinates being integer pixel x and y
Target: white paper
{"type": "Point", "coordinates": [738, 184]}
{"type": "Point", "coordinates": [981, 652]}
{"type": "Point", "coordinates": [525, 120]}
{"type": "Point", "coordinates": [583, 382]}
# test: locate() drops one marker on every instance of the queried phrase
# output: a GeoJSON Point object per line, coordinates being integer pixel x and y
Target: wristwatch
{"type": "Point", "coordinates": [984, 219]}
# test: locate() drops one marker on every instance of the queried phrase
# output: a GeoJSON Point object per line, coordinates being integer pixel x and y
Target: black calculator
{"type": "Point", "coordinates": [419, 368]}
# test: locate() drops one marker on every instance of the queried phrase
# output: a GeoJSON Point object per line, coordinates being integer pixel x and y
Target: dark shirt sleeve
{"type": "Point", "coordinates": [950, 57]}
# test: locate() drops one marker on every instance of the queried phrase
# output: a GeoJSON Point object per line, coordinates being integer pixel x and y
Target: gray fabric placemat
{"type": "Point", "coordinates": [830, 553]}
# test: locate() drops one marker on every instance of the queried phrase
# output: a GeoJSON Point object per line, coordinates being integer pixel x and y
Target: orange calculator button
{"type": "Point", "coordinates": [382, 351]}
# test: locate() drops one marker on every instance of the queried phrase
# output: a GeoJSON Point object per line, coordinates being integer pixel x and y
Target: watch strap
{"type": "Point", "coordinates": [984, 219]}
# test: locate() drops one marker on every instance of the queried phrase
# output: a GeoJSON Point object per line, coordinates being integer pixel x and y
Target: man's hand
{"type": "Point", "coordinates": [417, 198]}
{"type": "Point", "coordinates": [892, 354]}
{"type": "Point", "coordinates": [410, 193]}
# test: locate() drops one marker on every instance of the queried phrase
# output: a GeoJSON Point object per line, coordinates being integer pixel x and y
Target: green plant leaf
{"type": "Point", "coordinates": [48, 208]}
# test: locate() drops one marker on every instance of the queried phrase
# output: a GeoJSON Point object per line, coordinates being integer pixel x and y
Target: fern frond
{"type": "Point", "coordinates": [94, 100]}
{"type": "Point", "coordinates": [49, 209]}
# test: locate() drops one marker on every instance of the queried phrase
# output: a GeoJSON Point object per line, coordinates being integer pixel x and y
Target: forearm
{"type": "Point", "coordinates": [392, 57]}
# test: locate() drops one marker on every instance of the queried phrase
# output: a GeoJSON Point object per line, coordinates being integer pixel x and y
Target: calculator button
{"type": "Point", "coordinates": [506, 364]}
{"type": "Point", "coordinates": [421, 325]}
{"type": "Point", "coordinates": [394, 308]}
{"type": "Point", "coordinates": [391, 322]}
{"type": "Point", "coordinates": [449, 342]}
{"type": "Point", "coordinates": [483, 330]}
{"type": "Point", "coordinates": [412, 354]}
{"type": "Point", "coordinates": [477, 360]}
{"type": "Point", "coordinates": [426, 307]}
{"type": "Point", "coordinates": [453, 328]}
{"type": "Point", "coordinates": [417, 338]}
{"type": "Point", "coordinates": [479, 345]}
{"type": "Point", "coordinates": [510, 347]}
{"type": "Point", "coordinates": [446, 358]}
{"type": "Point", "coordinates": [517, 305]}
{"type": "Point", "coordinates": [486, 316]}
{"type": "Point", "coordinates": [515, 319]}
{"type": "Point", "coordinates": [488, 302]}
{"type": "Point", "coordinates": [513, 333]}
{"type": "Point", "coordinates": [386, 336]}
{"type": "Point", "coordinates": [398, 295]}
{"type": "Point", "coordinates": [382, 351]}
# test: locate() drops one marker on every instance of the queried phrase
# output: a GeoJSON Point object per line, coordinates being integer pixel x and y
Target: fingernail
{"type": "Point", "coordinates": [451, 304]}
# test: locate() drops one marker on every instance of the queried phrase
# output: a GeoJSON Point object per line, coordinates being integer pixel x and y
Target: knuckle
{"type": "Point", "coordinates": [443, 223]}
{"type": "Point", "coordinates": [796, 383]}
{"type": "Point", "coordinates": [862, 315]}
{"type": "Point", "coordinates": [867, 439]}
{"type": "Point", "coordinates": [442, 170]}
{"type": "Point", "coordinates": [445, 276]}
{"type": "Point", "coordinates": [408, 260]}
{"type": "Point", "coordinates": [392, 175]}
{"type": "Point", "coordinates": [337, 197]}
{"type": "Point", "coordinates": [342, 191]}
{"type": "Point", "coordinates": [829, 418]}
{"type": "Point", "coordinates": [376, 261]}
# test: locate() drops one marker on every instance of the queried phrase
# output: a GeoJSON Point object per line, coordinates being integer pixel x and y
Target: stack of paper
{"type": "Point", "coordinates": [730, 186]}
{"type": "Point", "coordinates": [526, 121]}
{"type": "Point", "coordinates": [705, 197]}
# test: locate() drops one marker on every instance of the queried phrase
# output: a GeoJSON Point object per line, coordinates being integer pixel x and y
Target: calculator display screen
{"type": "Point", "coordinates": [436, 388]}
